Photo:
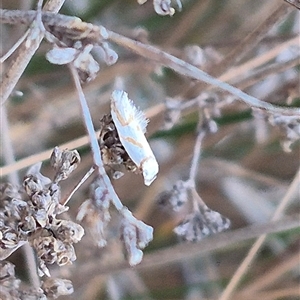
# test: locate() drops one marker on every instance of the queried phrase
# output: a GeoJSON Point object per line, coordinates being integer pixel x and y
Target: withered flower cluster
{"type": "Point", "coordinates": [30, 214]}
{"type": "Point", "coordinates": [201, 222]}
{"type": "Point", "coordinates": [74, 45]}
{"type": "Point", "coordinates": [12, 289]}
{"type": "Point", "coordinates": [135, 235]}
{"type": "Point", "coordinates": [163, 7]}
{"type": "Point", "coordinates": [113, 152]}
{"type": "Point", "coordinates": [290, 126]}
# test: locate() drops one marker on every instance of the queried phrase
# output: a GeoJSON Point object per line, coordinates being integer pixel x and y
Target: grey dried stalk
{"type": "Point", "coordinates": [163, 58]}
{"type": "Point", "coordinates": [25, 52]}
{"type": "Point", "coordinates": [135, 234]}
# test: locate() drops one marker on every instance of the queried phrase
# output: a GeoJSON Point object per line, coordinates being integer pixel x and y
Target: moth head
{"type": "Point", "coordinates": [150, 170]}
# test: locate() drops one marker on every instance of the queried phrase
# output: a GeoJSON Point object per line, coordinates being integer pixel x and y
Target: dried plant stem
{"type": "Point", "coordinates": [196, 158]}
{"type": "Point", "coordinates": [244, 266]}
{"type": "Point", "coordinates": [252, 39]}
{"type": "Point", "coordinates": [265, 280]}
{"type": "Point", "coordinates": [258, 61]}
{"type": "Point", "coordinates": [191, 71]}
{"type": "Point", "coordinates": [182, 68]}
{"type": "Point", "coordinates": [295, 3]}
{"type": "Point", "coordinates": [25, 52]}
{"type": "Point", "coordinates": [186, 251]}
{"type": "Point", "coordinates": [247, 44]}
{"type": "Point", "coordinates": [14, 47]}
{"type": "Point", "coordinates": [9, 157]}
{"type": "Point", "coordinates": [274, 294]}
{"type": "Point", "coordinates": [78, 185]}
{"type": "Point", "coordinates": [94, 141]}
{"type": "Point", "coordinates": [267, 71]}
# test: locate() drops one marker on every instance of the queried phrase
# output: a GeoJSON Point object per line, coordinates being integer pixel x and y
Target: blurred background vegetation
{"type": "Point", "coordinates": [243, 173]}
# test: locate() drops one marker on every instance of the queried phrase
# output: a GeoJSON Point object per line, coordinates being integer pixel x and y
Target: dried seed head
{"type": "Point", "coordinates": [67, 231]}
{"type": "Point", "coordinates": [135, 236]}
{"type": "Point", "coordinates": [51, 250]}
{"type": "Point", "coordinates": [8, 282]}
{"type": "Point", "coordinates": [176, 197]}
{"type": "Point", "coordinates": [96, 220]}
{"type": "Point", "coordinates": [163, 7]}
{"type": "Point", "coordinates": [95, 212]}
{"type": "Point", "coordinates": [55, 287]}
{"type": "Point", "coordinates": [8, 192]}
{"type": "Point", "coordinates": [110, 57]}
{"type": "Point", "coordinates": [32, 294]}
{"type": "Point", "coordinates": [290, 126]}
{"type": "Point", "coordinates": [64, 162]}
{"type": "Point", "coordinates": [201, 223]}
{"type": "Point", "coordinates": [112, 150]}
{"type": "Point", "coordinates": [32, 185]}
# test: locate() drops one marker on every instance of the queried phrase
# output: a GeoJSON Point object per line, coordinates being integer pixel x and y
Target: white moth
{"type": "Point", "coordinates": [131, 127]}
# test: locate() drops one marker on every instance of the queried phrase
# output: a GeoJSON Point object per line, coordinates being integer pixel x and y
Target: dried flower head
{"type": "Point", "coordinates": [112, 150]}
{"type": "Point", "coordinates": [64, 163]}
{"type": "Point", "coordinates": [290, 126]}
{"type": "Point", "coordinates": [55, 287]}
{"type": "Point", "coordinates": [95, 212]}
{"type": "Point", "coordinates": [163, 7]}
{"type": "Point", "coordinates": [135, 236]}
{"type": "Point", "coordinates": [176, 197]}
{"type": "Point", "coordinates": [201, 223]}
{"type": "Point", "coordinates": [9, 283]}
{"type": "Point", "coordinates": [172, 113]}
{"type": "Point", "coordinates": [31, 215]}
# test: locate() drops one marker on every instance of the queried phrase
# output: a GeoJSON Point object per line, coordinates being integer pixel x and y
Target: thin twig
{"type": "Point", "coordinates": [25, 52]}
{"type": "Point", "coordinates": [261, 74]}
{"type": "Point", "coordinates": [196, 157]}
{"type": "Point", "coordinates": [191, 71]}
{"type": "Point", "coordinates": [14, 47]}
{"type": "Point", "coordinates": [295, 3]}
{"type": "Point", "coordinates": [78, 185]}
{"type": "Point", "coordinates": [184, 68]}
{"type": "Point", "coordinates": [243, 48]}
{"type": "Point", "coordinates": [273, 275]}
{"type": "Point", "coordinates": [252, 39]}
{"type": "Point", "coordinates": [94, 141]}
{"type": "Point", "coordinates": [244, 266]}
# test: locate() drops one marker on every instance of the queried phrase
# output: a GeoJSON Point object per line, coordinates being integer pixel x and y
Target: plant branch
{"type": "Point", "coordinates": [78, 185]}
{"type": "Point", "coordinates": [94, 141]}
{"type": "Point", "coordinates": [25, 52]}
{"type": "Point", "coordinates": [169, 61]}
{"type": "Point", "coordinates": [191, 71]}
{"type": "Point", "coordinates": [196, 157]}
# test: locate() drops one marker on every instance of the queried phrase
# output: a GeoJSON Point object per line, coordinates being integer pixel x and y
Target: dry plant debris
{"type": "Point", "coordinates": [34, 215]}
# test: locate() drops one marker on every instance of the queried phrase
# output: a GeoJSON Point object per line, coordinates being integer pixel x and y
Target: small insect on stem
{"type": "Point", "coordinates": [131, 126]}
